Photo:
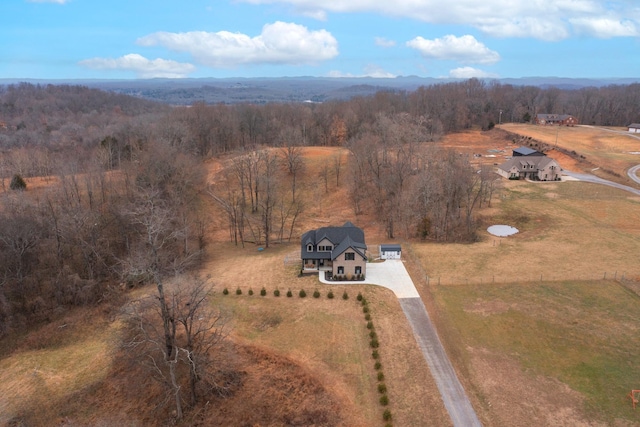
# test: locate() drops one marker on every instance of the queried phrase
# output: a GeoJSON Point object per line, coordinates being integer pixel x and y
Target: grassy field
{"type": "Point", "coordinates": [568, 230]}
{"type": "Point", "coordinates": [545, 336]}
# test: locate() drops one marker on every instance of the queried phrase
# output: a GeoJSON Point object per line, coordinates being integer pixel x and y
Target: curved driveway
{"type": "Point", "coordinates": [393, 275]}
{"type": "Point", "coordinates": [595, 180]}
{"type": "Point", "coordinates": [633, 173]}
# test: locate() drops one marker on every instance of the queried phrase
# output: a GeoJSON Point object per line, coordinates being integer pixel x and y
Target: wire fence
{"type": "Point", "coordinates": [530, 278]}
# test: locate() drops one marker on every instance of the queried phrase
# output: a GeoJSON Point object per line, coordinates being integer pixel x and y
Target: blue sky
{"type": "Point", "coordinates": [115, 39]}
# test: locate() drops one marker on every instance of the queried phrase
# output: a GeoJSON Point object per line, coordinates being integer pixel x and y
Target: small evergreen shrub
{"type": "Point", "coordinates": [225, 291]}
{"type": "Point", "coordinates": [374, 343]}
{"type": "Point", "coordinates": [369, 324]}
{"type": "Point", "coordinates": [373, 335]}
{"type": "Point", "coordinates": [382, 388]}
{"type": "Point", "coordinates": [377, 366]}
{"type": "Point", "coordinates": [380, 376]}
{"type": "Point", "coordinates": [238, 291]}
{"type": "Point", "coordinates": [367, 316]}
{"type": "Point", "coordinates": [263, 292]}
{"type": "Point", "coordinates": [364, 301]}
{"type": "Point", "coordinates": [289, 293]}
{"type": "Point", "coordinates": [365, 309]}
{"type": "Point", "coordinates": [386, 415]}
{"type": "Point", "coordinates": [330, 295]}
{"type": "Point", "coordinates": [17, 183]}
{"type": "Point", "coordinates": [345, 295]}
{"type": "Point", "coordinates": [276, 293]}
{"type": "Point", "coordinates": [302, 293]}
{"type": "Point", "coordinates": [250, 292]}
{"type": "Point", "coordinates": [316, 294]}
{"type": "Point", "coordinates": [375, 354]}
{"type": "Point", "coordinates": [384, 400]}
{"type": "Point", "coordinates": [359, 297]}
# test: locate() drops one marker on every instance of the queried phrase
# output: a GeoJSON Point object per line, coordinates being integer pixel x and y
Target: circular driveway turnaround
{"type": "Point", "coordinates": [392, 274]}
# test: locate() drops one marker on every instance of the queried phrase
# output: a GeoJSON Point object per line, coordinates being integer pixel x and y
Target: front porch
{"type": "Point", "coordinates": [316, 265]}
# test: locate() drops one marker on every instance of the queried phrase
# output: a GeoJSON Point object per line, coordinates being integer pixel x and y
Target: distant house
{"type": "Point", "coordinates": [634, 128]}
{"type": "Point", "coordinates": [390, 251]}
{"type": "Point", "coordinates": [555, 119]}
{"type": "Point", "coordinates": [536, 168]}
{"type": "Point", "coordinates": [526, 151]}
{"type": "Point", "coordinates": [340, 250]}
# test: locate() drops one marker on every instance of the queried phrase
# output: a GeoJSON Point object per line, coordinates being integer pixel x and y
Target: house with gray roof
{"type": "Point", "coordinates": [339, 250]}
{"type": "Point", "coordinates": [634, 127]}
{"type": "Point", "coordinates": [536, 168]}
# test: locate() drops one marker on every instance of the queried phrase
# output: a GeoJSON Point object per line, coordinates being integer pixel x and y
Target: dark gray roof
{"type": "Point", "coordinates": [525, 151]}
{"type": "Point", "coordinates": [634, 125]}
{"type": "Point", "coordinates": [390, 247]}
{"type": "Point", "coordinates": [337, 236]}
{"type": "Point", "coordinates": [346, 244]}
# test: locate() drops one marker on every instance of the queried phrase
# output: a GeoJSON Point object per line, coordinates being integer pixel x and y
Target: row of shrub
{"type": "Point", "coordinates": [374, 344]}
{"type": "Point", "coordinates": [276, 293]}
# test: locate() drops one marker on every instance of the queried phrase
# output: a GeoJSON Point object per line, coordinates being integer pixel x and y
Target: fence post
{"type": "Point", "coordinates": [605, 276]}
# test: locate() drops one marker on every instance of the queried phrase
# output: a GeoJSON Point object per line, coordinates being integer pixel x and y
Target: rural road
{"type": "Point", "coordinates": [393, 275]}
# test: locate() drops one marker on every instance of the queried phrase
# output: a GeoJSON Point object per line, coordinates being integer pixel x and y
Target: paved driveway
{"type": "Point", "coordinates": [393, 275]}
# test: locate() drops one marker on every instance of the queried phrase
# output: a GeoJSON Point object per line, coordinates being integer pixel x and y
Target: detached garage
{"type": "Point", "coordinates": [390, 251]}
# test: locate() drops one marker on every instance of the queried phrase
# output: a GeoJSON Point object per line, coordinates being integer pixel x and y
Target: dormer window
{"type": "Point", "coordinates": [309, 247]}
{"type": "Point", "coordinates": [328, 248]}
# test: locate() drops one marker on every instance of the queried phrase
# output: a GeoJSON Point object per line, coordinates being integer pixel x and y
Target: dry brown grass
{"type": "Point", "coordinates": [568, 230]}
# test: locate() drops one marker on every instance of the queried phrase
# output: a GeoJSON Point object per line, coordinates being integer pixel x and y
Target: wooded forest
{"type": "Point", "coordinates": [125, 175]}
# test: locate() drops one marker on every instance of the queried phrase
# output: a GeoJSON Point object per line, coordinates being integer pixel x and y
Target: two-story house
{"type": "Point", "coordinates": [340, 250]}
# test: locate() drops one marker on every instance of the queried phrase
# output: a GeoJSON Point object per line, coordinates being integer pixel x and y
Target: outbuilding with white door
{"type": "Point", "coordinates": [389, 251]}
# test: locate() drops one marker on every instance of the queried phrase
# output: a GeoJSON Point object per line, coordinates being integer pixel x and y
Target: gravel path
{"type": "Point", "coordinates": [455, 400]}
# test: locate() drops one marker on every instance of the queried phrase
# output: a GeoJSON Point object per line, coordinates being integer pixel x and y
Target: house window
{"type": "Point", "coordinates": [340, 270]}
{"type": "Point", "coordinates": [309, 247]}
{"type": "Point", "coordinates": [349, 256]}
{"type": "Point", "coordinates": [358, 270]}
{"type": "Point", "coordinates": [325, 248]}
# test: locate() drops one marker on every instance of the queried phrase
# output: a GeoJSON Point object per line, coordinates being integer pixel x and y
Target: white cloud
{"type": "Point", "coordinates": [541, 19]}
{"type": "Point", "coordinates": [279, 43]}
{"type": "Point", "coordinates": [383, 42]}
{"type": "Point", "coordinates": [143, 67]}
{"type": "Point", "coordinates": [605, 28]}
{"type": "Point", "coordinates": [469, 72]}
{"type": "Point", "coordinates": [464, 49]}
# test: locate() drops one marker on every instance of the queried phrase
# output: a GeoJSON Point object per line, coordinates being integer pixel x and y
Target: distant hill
{"type": "Point", "coordinates": [294, 89]}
